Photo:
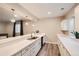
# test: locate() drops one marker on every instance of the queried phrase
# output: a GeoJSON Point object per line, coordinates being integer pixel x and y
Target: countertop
{"type": "Point", "coordinates": [72, 45]}
{"type": "Point", "coordinates": [10, 46]}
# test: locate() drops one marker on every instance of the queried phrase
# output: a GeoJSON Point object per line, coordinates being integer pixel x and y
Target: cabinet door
{"type": "Point", "coordinates": [62, 49]}
{"type": "Point", "coordinates": [65, 52]}
{"type": "Point", "coordinates": [32, 49]}
{"type": "Point", "coordinates": [18, 54]}
{"type": "Point", "coordinates": [44, 39]}
{"type": "Point", "coordinates": [26, 51]}
{"type": "Point", "coordinates": [36, 47]}
{"type": "Point", "coordinates": [64, 25]}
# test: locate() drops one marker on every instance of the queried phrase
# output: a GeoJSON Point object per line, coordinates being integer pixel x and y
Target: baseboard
{"type": "Point", "coordinates": [52, 42]}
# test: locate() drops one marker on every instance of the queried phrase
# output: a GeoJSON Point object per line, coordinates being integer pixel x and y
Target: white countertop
{"type": "Point", "coordinates": [72, 45]}
{"type": "Point", "coordinates": [12, 45]}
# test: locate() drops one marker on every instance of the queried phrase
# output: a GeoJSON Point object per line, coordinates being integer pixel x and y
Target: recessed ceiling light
{"type": "Point", "coordinates": [49, 12]}
{"type": "Point", "coordinates": [33, 25]}
{"type": "Point", "coordinates": [15, 15]}
{"type": "Point", "coordinates": [13, 20]}
{"type": "Point", "coordinates": [26, 23]}
{"type": "Point", "coordinates": [30, 18]}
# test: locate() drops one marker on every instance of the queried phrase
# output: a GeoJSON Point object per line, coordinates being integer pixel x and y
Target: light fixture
{"type": "Point", "coordinates": [13, 20]}
{"type": "Point", "coordinates": [14, 15]}
{"type": "Point", "coordinates": [33, 25]}
{"type": "Point", "coordinates": [49, 12]}
{"type": "Point", "coordinates": [30, 18]}
{"type": "Point", "coordinates": [13, 12]}
{"type": "Point", "coordinates": [26, 23]}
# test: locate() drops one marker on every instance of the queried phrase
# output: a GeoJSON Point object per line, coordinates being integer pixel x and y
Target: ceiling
{"type": "Point", "coordinates": [41, 10]}
{"type": "Point", "coordinates": [33, 10]}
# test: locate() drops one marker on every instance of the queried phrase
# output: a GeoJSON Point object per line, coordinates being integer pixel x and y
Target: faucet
{"type": "Point", "coordinates": [32, 34]}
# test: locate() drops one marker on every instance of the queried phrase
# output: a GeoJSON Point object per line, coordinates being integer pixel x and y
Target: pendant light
{"type": "Point", "coordinates": [14, 15]}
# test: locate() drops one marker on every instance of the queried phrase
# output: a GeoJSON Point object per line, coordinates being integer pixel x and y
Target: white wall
{"type": "Point", "coordinates": [77, 18]}
{"type": "Point", "coordinates": [6, 28]}
{"type": "Point", "coordinates": [49, 26]}
{"type": "Point", "coordinates": [2, 27]}
{"type": "Point", "coordinates": [70, 13]}
{"type": "Point", "coordinates": [9, 29]}
{"type": "Point", "coordinates": [27, 28]}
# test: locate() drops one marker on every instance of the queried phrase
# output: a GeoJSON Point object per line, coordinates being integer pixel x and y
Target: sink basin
{"type": "Point", "coordinates": [32, 38]}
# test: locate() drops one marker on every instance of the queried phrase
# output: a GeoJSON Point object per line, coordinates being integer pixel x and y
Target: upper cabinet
{"type": "Point", "coordinates": [68, 24]}
{"type": "Point", "coordinates": [64, 25]}
{"type": "Point", "coordinates": [71, 24]}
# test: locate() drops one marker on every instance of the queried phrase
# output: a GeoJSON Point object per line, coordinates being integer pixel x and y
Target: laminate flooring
{"type": "Point", "coordinates": [49, 50]}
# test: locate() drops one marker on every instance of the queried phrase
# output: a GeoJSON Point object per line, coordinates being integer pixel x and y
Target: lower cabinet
{"type": "Point", "coordinates": [35, 48]}
{"type": "Point", "coordinates": [26, 51]}
{"type": "Point", "coordinates": [30, 50]}
{"type": "Point", "coordinates": [18, 53]}
{"type": "Point", "coordinates": [63, 50]}
{"type": "Point", "coordinates": [44, 39]}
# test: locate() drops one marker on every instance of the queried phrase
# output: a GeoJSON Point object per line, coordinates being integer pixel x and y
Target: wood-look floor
{"type": "Point", "coordinates": [49, 50]}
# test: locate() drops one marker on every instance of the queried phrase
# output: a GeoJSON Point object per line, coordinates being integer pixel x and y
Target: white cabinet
{"type": "Point", "coordinates": [18, 54]}
{"type": "Point", "coordinates": [44, 39]}
{"type": "Point", "coordinates": [35, 47]}
{"type": "Point", "coordinates": [64, 25]}
{"type": "Point", "coordinates": [68, 24]}
{"type": "Point", "coordinates": [26, 51]}
{"type": "Point", "coordinates": [63, 50]}
{"type": "Point", "coordinates": [30, 50]}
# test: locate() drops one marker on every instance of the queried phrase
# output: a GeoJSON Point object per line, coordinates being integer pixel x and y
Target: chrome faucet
{"type": "Point", "coordinates": [32, 34]}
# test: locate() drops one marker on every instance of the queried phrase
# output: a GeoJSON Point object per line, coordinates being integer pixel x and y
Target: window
{"type": "Point", "coordinates": [17, 28]}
